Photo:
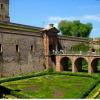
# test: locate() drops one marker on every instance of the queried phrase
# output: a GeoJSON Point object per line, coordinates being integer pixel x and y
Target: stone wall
{"type": "Point", "coordinates": [20, 53]}
{"type": "Point", "coordinates": [68, 42]}
{"type": "Point", "coordinates": [22, 48]}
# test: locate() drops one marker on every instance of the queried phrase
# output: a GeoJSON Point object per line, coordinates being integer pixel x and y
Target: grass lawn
{"type": "Point", "coordinates": [98, 97]}
{"type": "Point", "coordinates": [52, 86]}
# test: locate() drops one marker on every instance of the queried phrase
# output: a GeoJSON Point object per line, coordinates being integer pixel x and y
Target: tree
{"type": "Point", "coordinates": [75, 28]}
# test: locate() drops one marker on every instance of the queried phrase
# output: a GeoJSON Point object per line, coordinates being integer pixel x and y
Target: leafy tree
{"type": "Point", "coordinates": [75, 28]}
{"type": "Point", "coordinates": [81, 47]}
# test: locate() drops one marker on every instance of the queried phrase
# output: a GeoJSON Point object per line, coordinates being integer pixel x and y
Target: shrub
{"type": "Point", "coordinates": [20, 95]}
{"type": "Point", "coordinates": [77, 74]}
{"type": "Point", "coordinates": [90, 88]}
{"type": "Point", "coordinates": [22, 77]}
{"type": "Point", "coordinates": [50, 70]}
{"type": "Point", "coordinates": [81, 47]}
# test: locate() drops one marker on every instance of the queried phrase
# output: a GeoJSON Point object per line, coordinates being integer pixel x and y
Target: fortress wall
{"type": "Point", "coordinates": [68, 42]}
{"type": "Point", "coordinates": [22, 49]}
{"type": "Point", "coordinates": [28, 58]}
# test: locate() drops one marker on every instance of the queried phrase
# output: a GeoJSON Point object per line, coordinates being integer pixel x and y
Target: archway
{"type": "Point", "coordinates": [66, 64]}
{"type": "Point", "coordinates": [96, 65]}
{"type": "Point", "coordinates": [81, 65]}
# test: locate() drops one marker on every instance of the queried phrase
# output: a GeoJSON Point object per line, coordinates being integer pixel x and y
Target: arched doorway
{"type": "Point", "coordinates": [81, 65]}
{"type": "Point", "coordinates": [66, 64]}
{"type": "Point", "coordinates": [96, 65]}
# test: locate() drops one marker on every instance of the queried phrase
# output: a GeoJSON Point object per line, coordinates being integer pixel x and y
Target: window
{"type": "Point", "coordinates": [32, 48]}
{"type": "Point", "coordinates": [0, 48]}
{"type": "Point", "coordinates": [0, 10]}
{"type": "Point", "coordinates": [1, 6]}
{"type": "Point", "coordinates": [17, 48]}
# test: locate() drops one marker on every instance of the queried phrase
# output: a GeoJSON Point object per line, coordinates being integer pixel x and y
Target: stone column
{"type": "Point", "coordinates": [90, 69]}
{"type": "Point", "coordinates": [46, 51]}
{"type": "Point", "coordinates": [58, 67]}
{"type": "Point", "coordinates": [74, 67]}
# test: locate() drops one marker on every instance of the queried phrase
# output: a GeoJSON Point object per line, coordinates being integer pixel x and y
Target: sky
{"type": "Point", "coordinates": [40, 13]}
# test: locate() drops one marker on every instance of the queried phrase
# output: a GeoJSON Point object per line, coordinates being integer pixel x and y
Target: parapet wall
{"type": "Point", "coordinates": [21, 51]}
{"type": "Point", "coordinates": [68, 42]}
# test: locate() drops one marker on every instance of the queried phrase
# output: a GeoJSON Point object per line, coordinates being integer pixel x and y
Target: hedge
{"type": "Point", "coordinates": [21, 95]}
{"type": "Point", "coordinates": [46, 73]}
{"type": "Point", "coordinates": [89, 89]}
{"type": "Point", "coordinates": [76, 74]}
{"type": "Point", "coordinates": [22, 77]}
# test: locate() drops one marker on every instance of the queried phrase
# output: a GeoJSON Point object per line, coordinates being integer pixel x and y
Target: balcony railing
{"type": "Point", "coordinates": [62, 52]}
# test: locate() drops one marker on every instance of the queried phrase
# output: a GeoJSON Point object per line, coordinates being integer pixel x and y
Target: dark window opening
{"type": "Point", "coordinates": [17, 48]}
{"type": "Point", "coordinates": [93, 50]}
{"type": "Point", "coordinates": [1, 6]}
{"type": "Point", "coordinates": [31, 47]}
{"type": "Point", "coordinates": [0, 48]}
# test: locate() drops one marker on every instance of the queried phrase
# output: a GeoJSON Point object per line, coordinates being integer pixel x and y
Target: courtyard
{"type": "Point", "coordinates": [52, 86]}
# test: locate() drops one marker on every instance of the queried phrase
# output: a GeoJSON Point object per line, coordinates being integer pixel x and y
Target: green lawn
{"type": "Point", "coordinates": [98, 97]}
{"type": "Point", "coordinates": [52, 86]}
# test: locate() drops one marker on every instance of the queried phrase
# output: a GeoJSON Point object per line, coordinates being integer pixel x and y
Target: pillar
{"type": "Point", "coordinates": [90, 68]}
{"type": "Point", "coordinates": [46, 50]}
{"type": "Point", "coordinates": [58, 67]}
{"type": "Point", "coordinates": [74, 67]}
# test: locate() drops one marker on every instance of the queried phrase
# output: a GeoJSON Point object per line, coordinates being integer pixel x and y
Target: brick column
{"type": "Point", "coordinates": [58, 66]}
{"type": "Point", "coordinates": [74, 67]}
{"type": "Point", "coordinates": [90, 69]}
{"type": "Point", "coordinates": [46, 50]}
{"type": "Point", "coordinates": [46, 45]}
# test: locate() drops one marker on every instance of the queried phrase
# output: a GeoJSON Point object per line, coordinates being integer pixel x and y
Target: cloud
{"type": "Point", "coordinates": [57, 18]}
{"type": "Point", "coordinates": [92, 17]}
{"type": "Point", "coordinates": [82, 18]}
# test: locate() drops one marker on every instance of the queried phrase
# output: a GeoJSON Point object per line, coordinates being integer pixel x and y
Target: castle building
{"type": "Point", "coordinates": [4, 11]}
{"type": "Point", "coordinates": [25, 49]}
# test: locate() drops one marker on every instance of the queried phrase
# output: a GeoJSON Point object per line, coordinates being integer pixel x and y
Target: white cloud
{"type": "Point", "coordinates": [83, 18]}
{"type": "Point", "coordinates": [57, 18]}
{"type": "Point", "coordinates": [92, 17]}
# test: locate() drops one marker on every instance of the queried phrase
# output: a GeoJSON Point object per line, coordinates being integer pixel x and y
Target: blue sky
{"type": "Point", "coordinates": [42, 12]}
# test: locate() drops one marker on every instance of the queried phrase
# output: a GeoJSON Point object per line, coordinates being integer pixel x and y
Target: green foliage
{"type": "Point", "coordinates": [66, 64]}
{"type": "Point", "coordinates": [79, 74]}
{"type": "Point", "coordinates": [20, 95]}
{"type": "Point", "coordinates": [2, 80]}
{"type": "Point", "coordinates": [98, 50]}
{"type": "Point", "coordinates": [91, 94]}
{"type": "Point", "coordinates": [47, 85]}
{"type": "Point", "coordinates": [75, 28]}
{"type": "Point", "coordinates": [50, 70]}
{"type": "Point", "coordinates": [81, 47]}
{"type": "Point", "coordinates": [39, 83]}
